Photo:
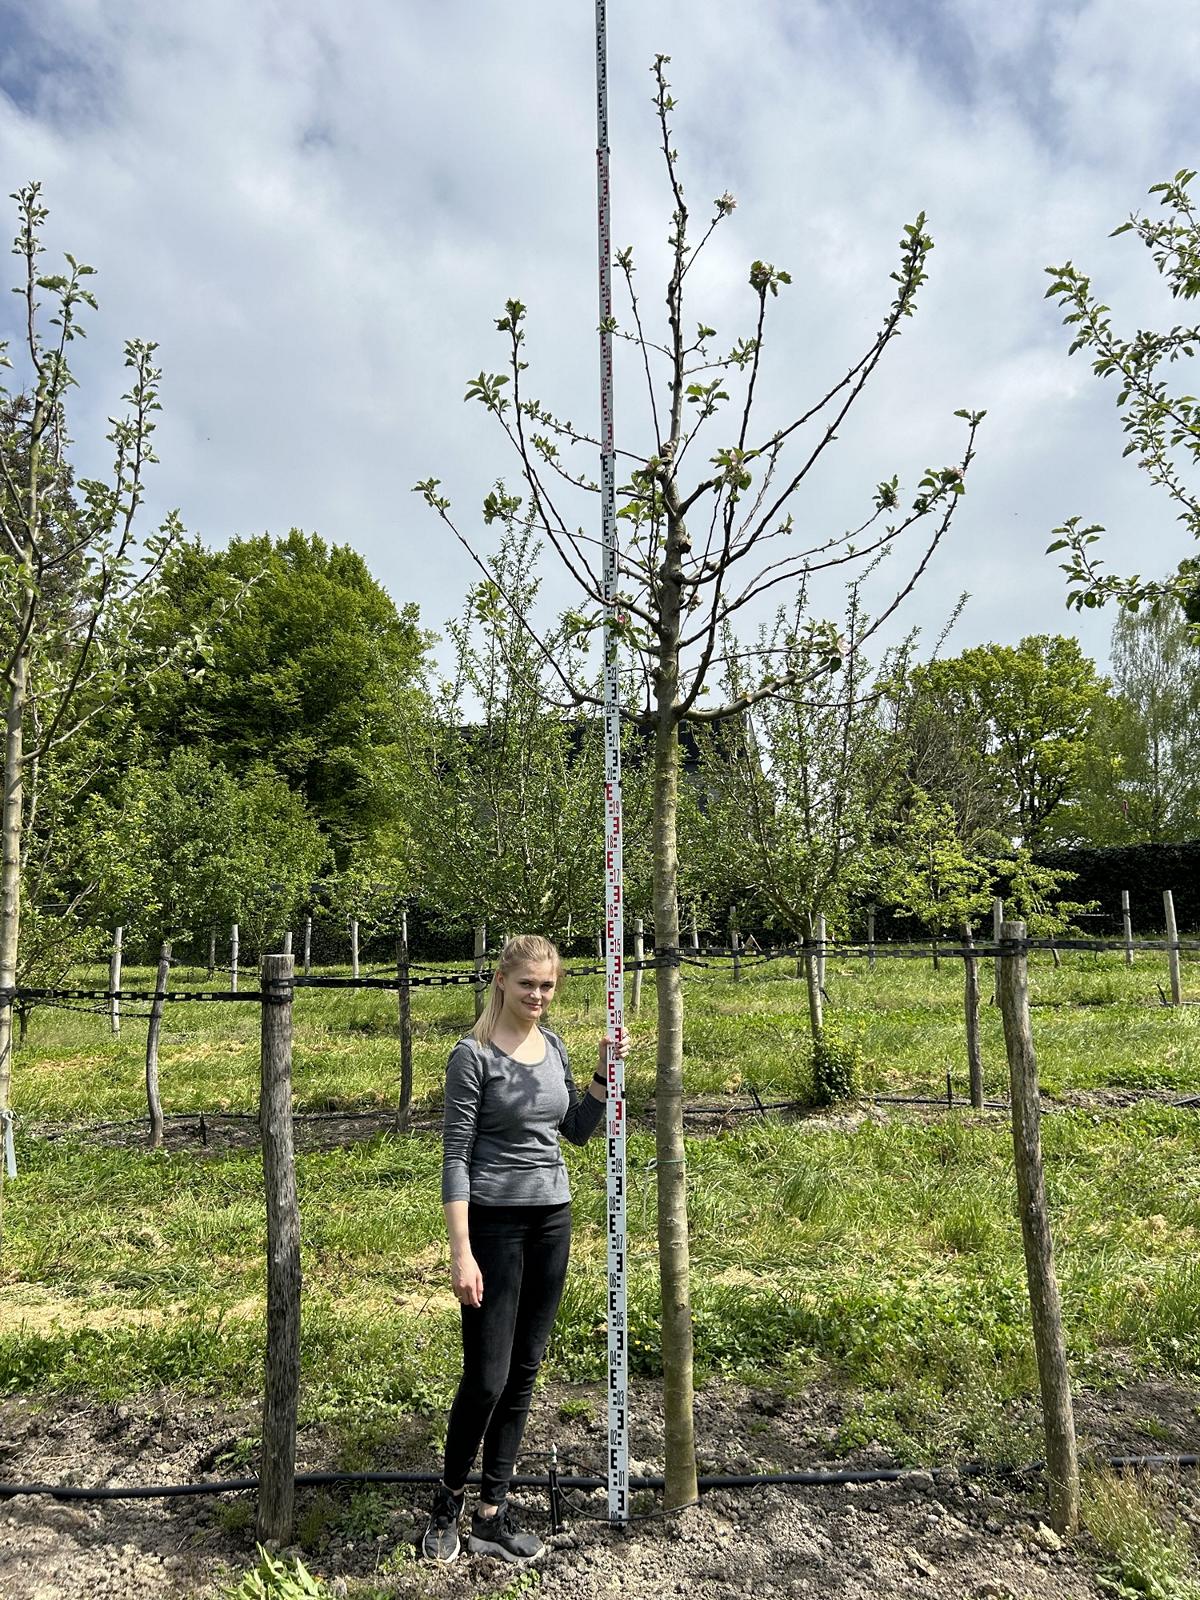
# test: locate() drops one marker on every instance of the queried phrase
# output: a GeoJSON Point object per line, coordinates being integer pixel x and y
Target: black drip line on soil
{"type": "Point", "coordinates": [586, 1482]}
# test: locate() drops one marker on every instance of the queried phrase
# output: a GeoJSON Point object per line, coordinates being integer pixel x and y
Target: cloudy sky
{"type": "Point", "coordinates": [318, 212]}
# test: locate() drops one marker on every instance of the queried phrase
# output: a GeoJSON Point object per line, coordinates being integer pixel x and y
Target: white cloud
{"type": "Point", "coordinates": [318, 212]}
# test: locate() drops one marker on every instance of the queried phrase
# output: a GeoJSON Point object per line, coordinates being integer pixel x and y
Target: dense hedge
{"type": "Point", "coordinates": [1145, 870]}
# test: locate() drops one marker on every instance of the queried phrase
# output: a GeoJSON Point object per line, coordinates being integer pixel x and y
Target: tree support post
{"type": "Point", "coordinates": [480, 959]}
{"type": "Point", "coordinates": [233, 959]}
{"type": "Point", "coordinates": [871, 938]}
{"type": "Point", "coordinates": [354, 947]}
{"type": "Point", "coordinates": [307, 946]}
{"type": "Point", "coordinates": [735, 950]}
{"type": "Point", "coordinates": [639, 955]}
{"type": "Point", "coordinates": [971, 1007]}
{"type": "Point", "coordinates": [997, 920]}
{"type": "Point", "coordinates": [821, 952]}
{"type": "Point", "coordinates": [1172, 947]}
{"type": "Point", "coordinates": [816, 1013]}
{"type": "Point", "coordinates": [212, 952]}
{"type": "Point", "coordinates": [1062, 1464]}
{"type": "Point", "coordinates": [404, 1104]}
{"type": "Point", "coordinates": [114, 979]}
{"type": "Point", "coordinates": [277, 1476]}
{"type": "Point", "coordinates": [1127, 927]}
{"type": "Point", "coordinates": [152, 1036]}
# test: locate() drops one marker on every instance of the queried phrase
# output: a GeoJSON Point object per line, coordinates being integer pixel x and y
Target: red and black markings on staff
{"type": "Point", "coordinates": [614, 920]}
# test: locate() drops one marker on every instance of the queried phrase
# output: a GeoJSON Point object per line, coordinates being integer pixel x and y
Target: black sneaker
{"type": "Point", "coordinates": [441, 1536]}
{"type": "Point", "coordinates": [500, 1536]}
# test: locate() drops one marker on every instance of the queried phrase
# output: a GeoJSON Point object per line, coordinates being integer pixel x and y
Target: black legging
{"type": "Point", "coordinates": [522, 1253]}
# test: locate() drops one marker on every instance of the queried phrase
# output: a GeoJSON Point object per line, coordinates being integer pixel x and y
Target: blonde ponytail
{"type": "Point", "coordinates": [522, 950]}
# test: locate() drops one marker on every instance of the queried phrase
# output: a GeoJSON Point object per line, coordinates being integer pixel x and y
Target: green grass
{"type": "Point", "coordinates": [886, 1257]}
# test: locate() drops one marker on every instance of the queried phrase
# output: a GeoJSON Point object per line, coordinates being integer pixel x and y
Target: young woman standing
{"type": "Point", "coordinates": [509, 1095]}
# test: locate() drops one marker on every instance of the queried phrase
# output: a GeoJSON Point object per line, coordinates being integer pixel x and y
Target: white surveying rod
{"type": "Point", "coordinates": [614, 920]}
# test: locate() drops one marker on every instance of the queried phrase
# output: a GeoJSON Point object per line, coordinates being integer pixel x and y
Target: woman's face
{"type": "Point", "coordinates": [528, 990]}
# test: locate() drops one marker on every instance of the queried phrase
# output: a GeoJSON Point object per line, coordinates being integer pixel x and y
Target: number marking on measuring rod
{"type": "Point", "coordinates": [618, 1352]}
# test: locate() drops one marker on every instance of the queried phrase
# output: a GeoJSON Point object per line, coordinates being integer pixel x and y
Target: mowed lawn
{"type": "Point", "coordinates": [877, 1249]}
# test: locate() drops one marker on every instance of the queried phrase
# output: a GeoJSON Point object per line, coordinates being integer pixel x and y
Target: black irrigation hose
{"type": "Point", "coordinates": [731, 1480]}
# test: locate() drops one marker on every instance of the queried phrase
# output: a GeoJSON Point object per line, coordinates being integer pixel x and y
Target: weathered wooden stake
{"type": "Point", "coordinates": [354, 947]}
{"type": "Point", "coordinates": [277, 1476]}
{"type": "Point", "coordinates": [695, 934]}
{"type": "Point", "coordinates": [152, 1035]}
{"type": "Point", "coordinates": [735, 948]}
{"type": "Point", "coordinates": [233, 959]}
{"type": "Point", "coordinates": [1173, 944]}
{"type": "Point", "coordinates": [871, 938]}
{"type": "Point", "coordinates": [997, 920]}
{"type": "Point", "coordinates": [821, 950]}
{"type": "Point", "coordinates": [1062, 1463]}
{"type": "Point", "coordinates": [307, 946]}
{"type": "Point", "coordinates": [287, 943]}
{"type": "Point", "coordinates": [971, 1007]}
{"type": "Point", "coordinates": [212, 951]}
{"type": "Point", "coordinates": [639, 955]}
{"type": "Point", "coordinates": [480, 958]}
{"type": "Point", "coordinates": [1127, 927]}
{"type": "Point", "coordinates": [404, 1104]}
{"type": "Point", "coordinates": [114, 979]}
{"type": "Point", "coordinates": [599, 944]}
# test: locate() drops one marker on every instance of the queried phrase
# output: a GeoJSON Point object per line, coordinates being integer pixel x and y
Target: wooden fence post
{"type": "Point", "coordinates": [821, 950]}
{"type": "Point", "coordinates": [695, 934]}
{"type": "Point", "coordinates": [233, 959]}
{"type": "Point", "coordinates": [307, 946]}
{"type": "Point", "coordinates": [212, 951]}
{"type": "Point", "coordinates": [354, 947]}
{"type": "Point", "coordinates": [114, 979]}
{"type": "Point", "coordinates": [971, 1007]}
{"type": "Point", "coordinates": [277, 1475]}
{"type": "Point", "coordinates": [287, 943]}
{"type": "Point", "coordinates": [1127, 927]}
{"type": "Point", "coordinates": [404, 1104]}
{"type": "Point", "coordinates": [735, 949]}
{"type": "Point", "coordinates": [480, 958]}
{"type": "Point", "coordinates": [152, 1036]}
{"type": "Point", "coordinates": [1173, 947]}
{"type": "Point", "coordinates": [871, 938]}
{"type": "Point", "coordinates": [997, 920]}
{"type": "Point", "coordinates": [639, 955]}
{"type": "Point", "coordinates": [1062, 1464]}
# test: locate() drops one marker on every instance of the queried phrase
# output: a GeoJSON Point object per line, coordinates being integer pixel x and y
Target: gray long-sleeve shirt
{"type": "Point", "coordinates": [501, 1125]}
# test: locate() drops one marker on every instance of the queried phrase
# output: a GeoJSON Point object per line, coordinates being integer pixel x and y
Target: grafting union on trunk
{"type": "Point", "coordinates": [698, 548]}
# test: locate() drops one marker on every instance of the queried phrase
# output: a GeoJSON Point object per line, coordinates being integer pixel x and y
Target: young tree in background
{"type": "Point", "coordinates": [75, 583]}
{"type": "Point", "coordinates": [504, 792]}
{"type": "Point", "coordinates": [708, 532]}
{"type": "Point", "coordinates": [1162, 423]}
{"type": "Point", "coordinates": [1142, 785]}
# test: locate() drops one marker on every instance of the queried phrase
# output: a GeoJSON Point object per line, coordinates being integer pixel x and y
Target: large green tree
{"type": "Point", "coordinates": [309, 668]}
{"type": "Point", "coordinates": [1027, 719]}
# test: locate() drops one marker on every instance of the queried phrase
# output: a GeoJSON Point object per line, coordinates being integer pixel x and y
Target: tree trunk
{"type": "Point", "coordinates": [10, 868]}
{"type": "Point", "coordinates": [152, 1034]}
{"type": "Point", "coordinates": [114, 979]}
{"type": "Point", "coordinates": [212, 951]}
{"type": "Point", "coordinates": [821, 952]}
{"type": "Point", "coordinates": [971, 1008]}
{"type": "Point", "coordinates": [639, 955]}
{"type": "Point", "coordinates": [404, 1105]}
{"type": "Point", "coordinates": [668, 1107]}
